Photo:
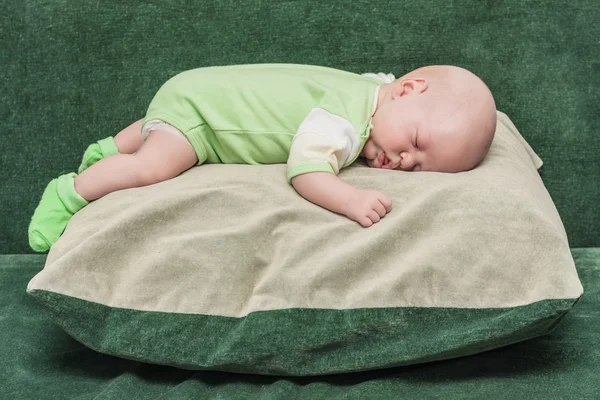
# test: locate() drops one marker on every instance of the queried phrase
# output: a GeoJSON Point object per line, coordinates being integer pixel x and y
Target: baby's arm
{"type": "Point", "coordinates": [328, 191]}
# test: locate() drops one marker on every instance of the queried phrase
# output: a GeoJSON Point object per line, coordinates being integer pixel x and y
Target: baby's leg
{"type": "Point", "coordinates": [162, 156]}
{"type": "Point", "coordinates": [127, 141]}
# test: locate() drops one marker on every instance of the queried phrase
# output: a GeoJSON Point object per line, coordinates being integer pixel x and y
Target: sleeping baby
{"type": "Point", "coordinates": [318, 120]}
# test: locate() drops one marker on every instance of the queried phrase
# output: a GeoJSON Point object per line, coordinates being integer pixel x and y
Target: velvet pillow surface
{"type": "Point", "coordinates": [227, 268]}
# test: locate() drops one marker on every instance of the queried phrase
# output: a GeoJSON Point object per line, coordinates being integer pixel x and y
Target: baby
{"type": "Point", "coordinates": [316, 119]}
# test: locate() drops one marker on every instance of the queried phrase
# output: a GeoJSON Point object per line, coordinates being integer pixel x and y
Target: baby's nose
{"type": "Point", "coordinates": [406, 160]}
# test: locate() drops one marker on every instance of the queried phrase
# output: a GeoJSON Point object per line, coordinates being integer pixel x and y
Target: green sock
{"type": "Point", "coordinates": [58, 204]}
{"type": "Point", "coordinates": [97, 151]}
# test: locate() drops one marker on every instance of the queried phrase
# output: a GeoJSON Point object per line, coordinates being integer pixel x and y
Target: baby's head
{"type": "Point", "coordinates": [436, 118]}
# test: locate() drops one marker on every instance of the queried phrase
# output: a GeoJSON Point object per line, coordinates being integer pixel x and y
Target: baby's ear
{"type": "Point", "coordinates": [406, 86]}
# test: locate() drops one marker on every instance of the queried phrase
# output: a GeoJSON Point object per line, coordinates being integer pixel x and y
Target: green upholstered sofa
{"type": "Point", "coordinates": [74, 72]}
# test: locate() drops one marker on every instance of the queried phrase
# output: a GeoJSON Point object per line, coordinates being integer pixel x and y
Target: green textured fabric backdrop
{"type": "Point", "coordinates": [75, 72]}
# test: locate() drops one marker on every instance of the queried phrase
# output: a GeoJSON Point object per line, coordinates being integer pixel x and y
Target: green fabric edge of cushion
{"type": "Point", "coordinates": [300, 341]}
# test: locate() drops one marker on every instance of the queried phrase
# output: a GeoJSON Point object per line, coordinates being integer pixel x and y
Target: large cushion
{"type": "Point", "coordinates": [227, 268]}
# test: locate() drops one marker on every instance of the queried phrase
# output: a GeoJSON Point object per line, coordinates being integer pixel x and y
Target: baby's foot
{"type": "Point", "coordinates": [58, 204]}
{"type": "Point", "coordinates": [97, 151]}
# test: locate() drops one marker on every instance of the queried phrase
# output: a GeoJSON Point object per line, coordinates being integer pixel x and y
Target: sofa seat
{"type": "Point", "coordinates": [35, 352]}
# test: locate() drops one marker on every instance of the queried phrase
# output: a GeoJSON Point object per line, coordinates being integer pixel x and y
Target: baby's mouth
{"type": "Point", "coordinates": [381, 160]}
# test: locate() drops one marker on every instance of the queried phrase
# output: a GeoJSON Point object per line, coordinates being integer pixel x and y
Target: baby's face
{"type": "Point", "coordinates": [407, 136]}
{"type": "Point", "coordinates": [404, 138]}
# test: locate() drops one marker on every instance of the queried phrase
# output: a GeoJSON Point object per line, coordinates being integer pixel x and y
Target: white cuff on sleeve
{"type": "Point", "coordinates": [386, 78]}
{"type": "Point", "coordinates": [324, 137]}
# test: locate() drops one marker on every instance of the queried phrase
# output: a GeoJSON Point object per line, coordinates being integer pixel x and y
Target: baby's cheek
{"type": "Point", "coordinates": [368, 151]}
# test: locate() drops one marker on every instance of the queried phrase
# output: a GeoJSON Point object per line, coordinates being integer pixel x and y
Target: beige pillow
{"type": "Point", "coordinates": [226, 267]}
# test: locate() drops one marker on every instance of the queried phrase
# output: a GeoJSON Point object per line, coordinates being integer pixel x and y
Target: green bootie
{"type": "Point", "coordinates": [97, 151]}
{"type": "Point", "coordinates": [58, 204]}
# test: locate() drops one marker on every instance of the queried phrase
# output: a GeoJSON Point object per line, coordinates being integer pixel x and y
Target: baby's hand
{"type": "Point", "coordinates": [367, 206]}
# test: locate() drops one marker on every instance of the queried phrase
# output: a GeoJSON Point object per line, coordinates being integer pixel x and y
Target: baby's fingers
{"type": "Point", "coordinates": [365, 221]}
{"type": "Point", "coordinates": [380, 209]}
{"type": "Point", "coordinates": [385, 202]}
{"type": "Point", "coordinates": [374, 216]}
